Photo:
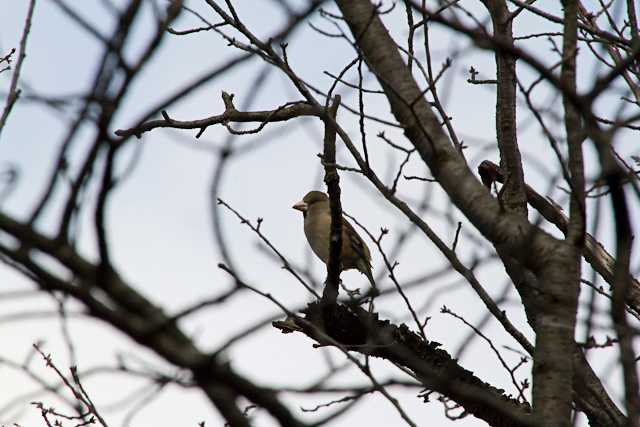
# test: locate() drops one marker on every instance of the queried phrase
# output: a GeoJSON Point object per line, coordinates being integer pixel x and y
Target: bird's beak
{"type": "Point", "coordinates": [301, 206]}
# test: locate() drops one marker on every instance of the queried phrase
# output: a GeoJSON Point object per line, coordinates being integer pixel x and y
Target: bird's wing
{"type": "Point", "coordinates": [355, 241]}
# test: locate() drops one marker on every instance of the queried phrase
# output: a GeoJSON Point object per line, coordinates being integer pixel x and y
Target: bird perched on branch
{"type": "Point", "coordinates": [317, 227]}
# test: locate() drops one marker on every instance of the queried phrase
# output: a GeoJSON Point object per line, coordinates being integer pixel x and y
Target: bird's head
{"type": "Point", "coordinates": [311, 198]}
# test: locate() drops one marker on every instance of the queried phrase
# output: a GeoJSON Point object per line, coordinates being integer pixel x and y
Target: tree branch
{"type": "Point", "coordinates": [14, 92]}
{"type": "Point", "coordinates": [357, 330]}
{"type": "Point", "coordinates": [231, 114]}
{"type": "Point", "coordinates": [332, 179]}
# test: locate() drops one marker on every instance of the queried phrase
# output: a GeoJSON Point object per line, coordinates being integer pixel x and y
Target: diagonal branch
{"type": "Point", "coordinates": [356, 330]}
{"type": "Point", "coordinates": [116, 302]}
{"type": "Point", "coordinates": [595, 402]}
{"type": "Point", "coordinates": [594, 253]}
{"type": "Point", "coordinates": [14, 92]}
{"type": "Point", "coordinates": [540, 253]}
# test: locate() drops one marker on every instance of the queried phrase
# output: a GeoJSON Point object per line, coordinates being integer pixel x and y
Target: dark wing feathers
{"type": "Point", "coordinates": [355, 241]}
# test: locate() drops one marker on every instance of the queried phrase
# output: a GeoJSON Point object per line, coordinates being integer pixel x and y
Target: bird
{"type": "Point", "coordinates": [317, 228]}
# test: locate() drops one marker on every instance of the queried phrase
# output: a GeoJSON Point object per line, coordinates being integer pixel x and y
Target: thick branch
{"type": "Point", "coordinates": [588, 392]}
{"type": "Point", "coordinates": [533, 248]}
{"type": "Point", "coordinates": [356, 330]}
{"type": "Point", "coordinates": [621, 288]}
{"type": "Point", "coordinates": [423, 129]}
{"type": "Point", "coordinates": [556, 316]}
{"type": "Point", "coordinates": [594, 253]}
{"type": "Point", "coordinates": [512, 194]}
{"type": "Point", "coordinates": [114, 301]}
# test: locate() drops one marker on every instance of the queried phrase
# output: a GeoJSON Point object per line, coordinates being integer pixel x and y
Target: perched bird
{"type": "Point", "coordinates": [317, 227]}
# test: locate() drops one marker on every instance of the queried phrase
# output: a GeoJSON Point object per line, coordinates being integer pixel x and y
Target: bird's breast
{"type": "Point", "coordinates": [318, 233]}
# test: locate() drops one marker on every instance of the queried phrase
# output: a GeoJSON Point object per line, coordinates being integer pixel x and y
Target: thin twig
{"type": "Point", "coordinates": [14, 92]}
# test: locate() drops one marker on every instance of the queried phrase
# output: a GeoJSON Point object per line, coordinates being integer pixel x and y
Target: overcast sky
{"type": "Point", "coordinates": [160, 219]}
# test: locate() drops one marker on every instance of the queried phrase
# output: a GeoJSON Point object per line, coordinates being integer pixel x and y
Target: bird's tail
{"type": "Point", "coordinates": [367, 272]}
